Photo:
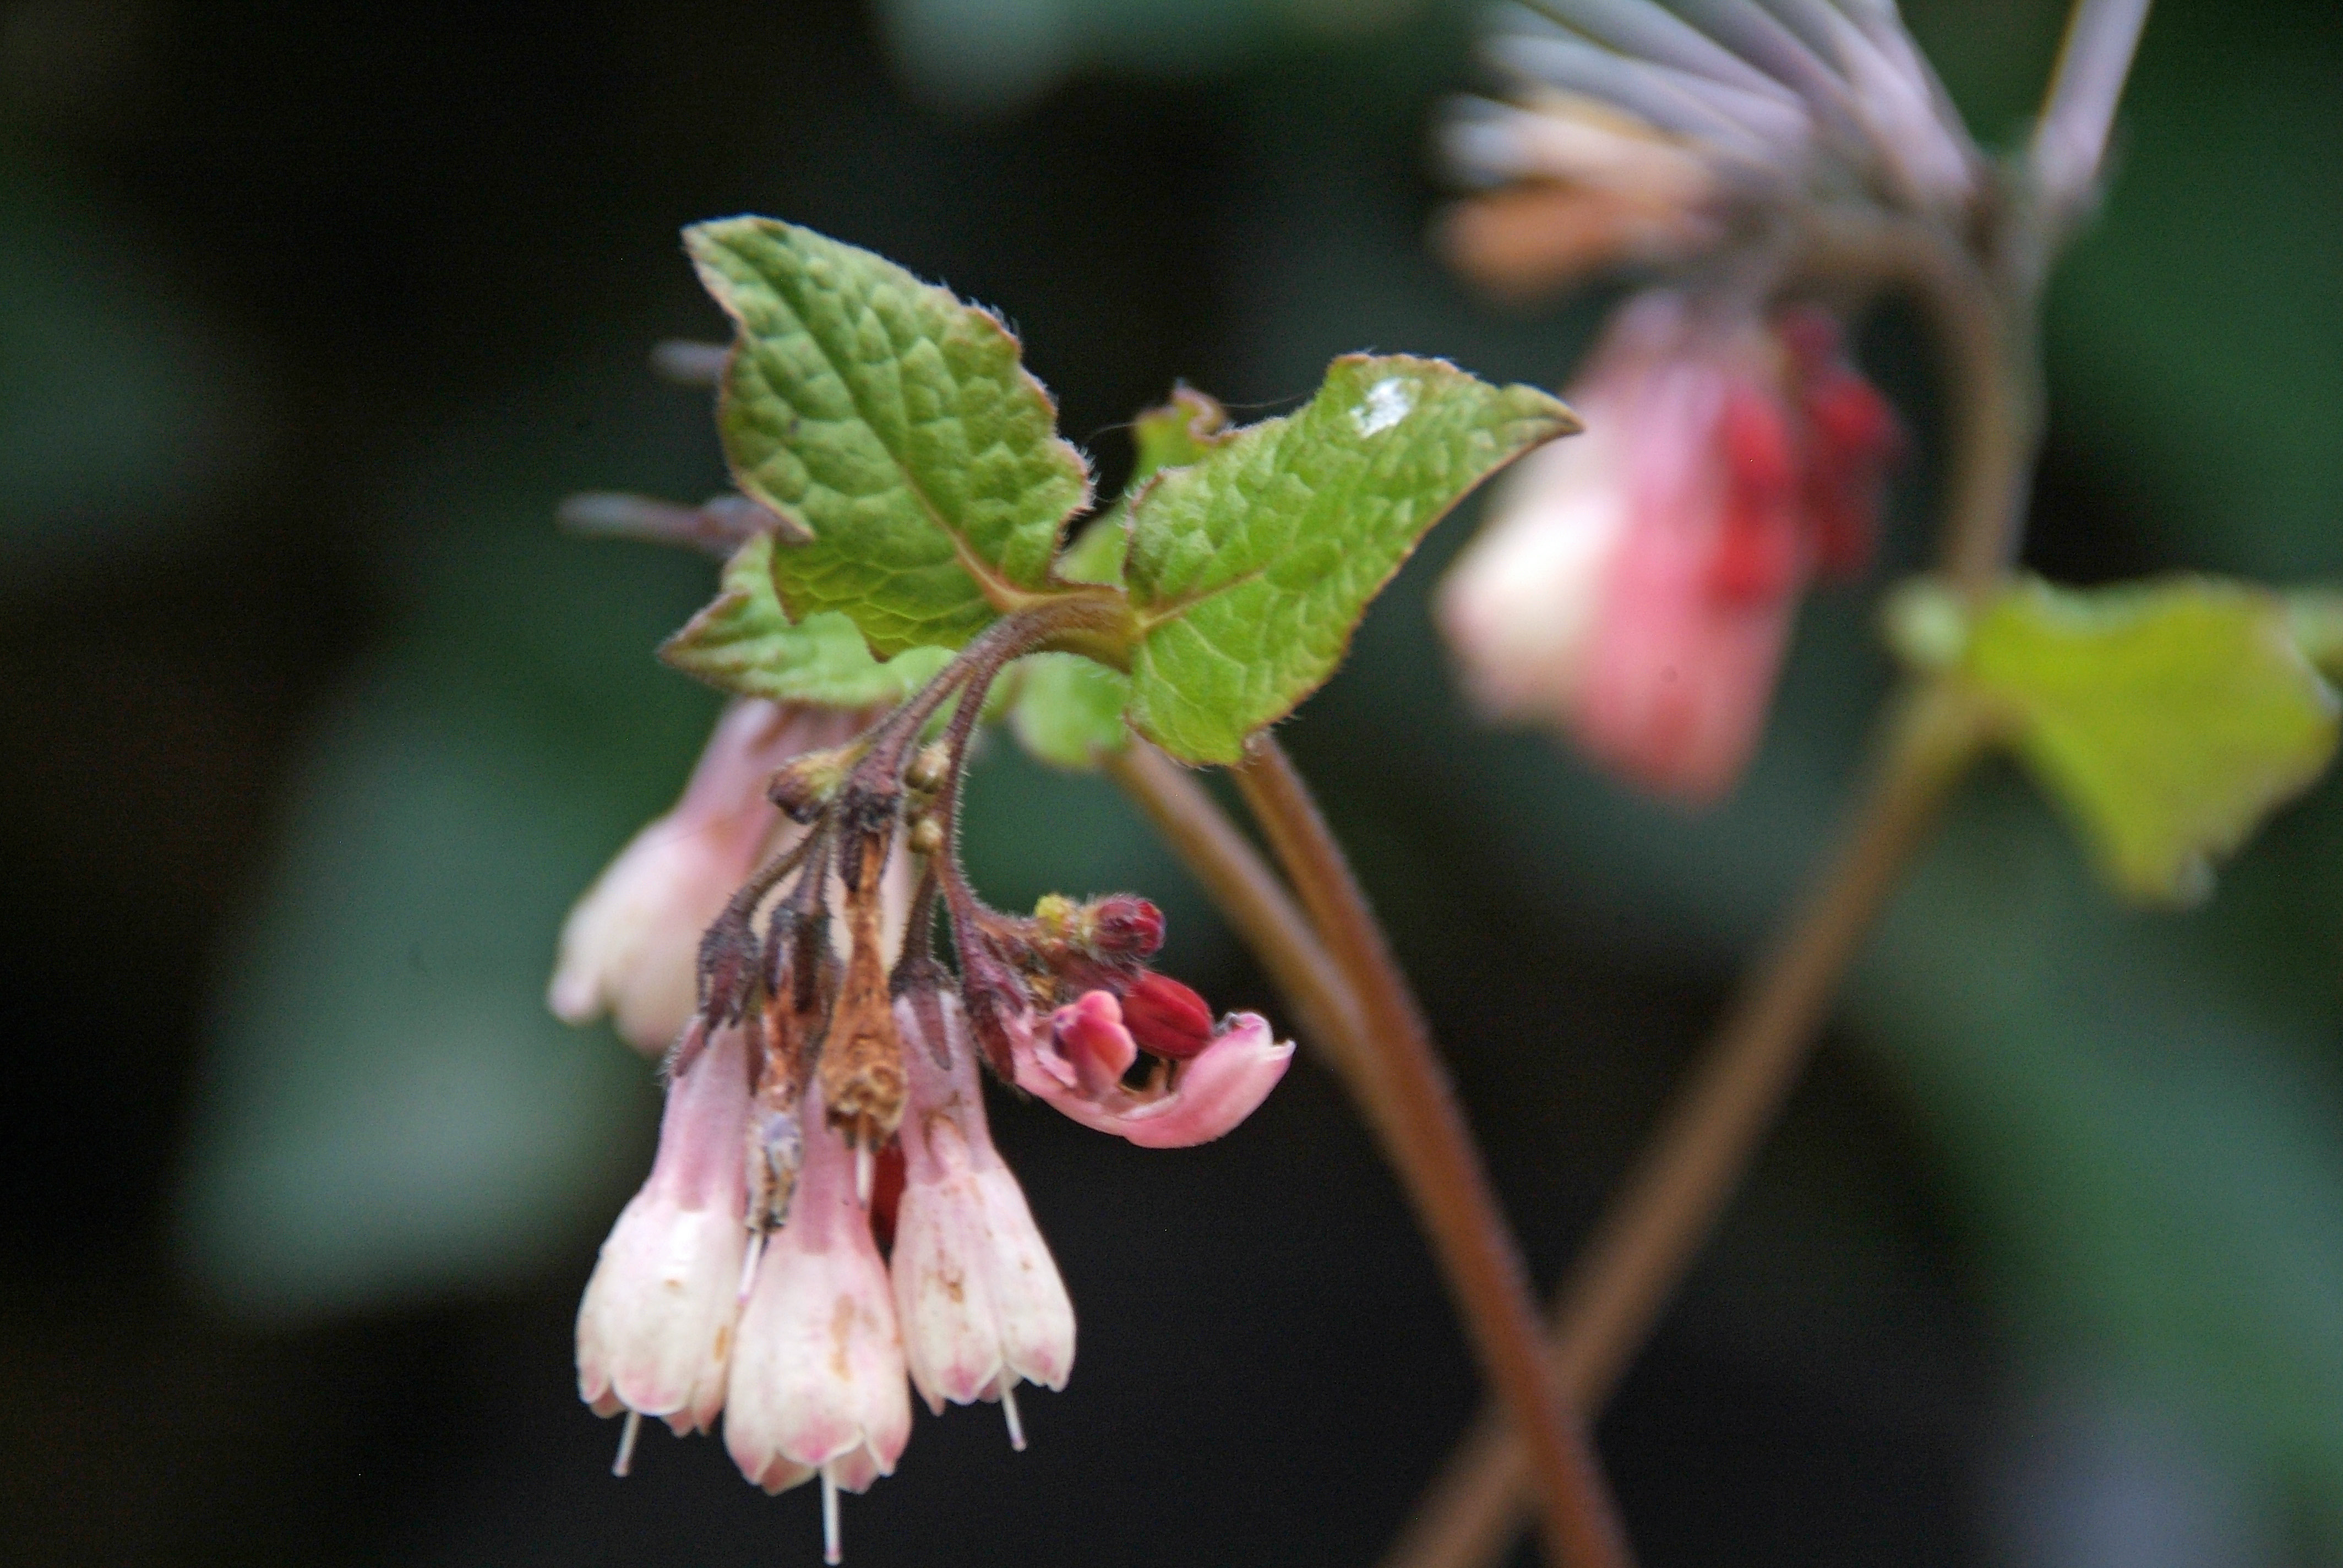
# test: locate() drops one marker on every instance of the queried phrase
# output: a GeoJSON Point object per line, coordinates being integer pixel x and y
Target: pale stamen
{"type": "Point", "coordinates": [749, 1261]}
{"type": "Point", "coordinates": [1008, 1409]}
{"type": "Point", "coordinates": [832, 1550]}
{"type": "Point", "coordinates": [625, 1464]}
{"type": "Point", "coordinates": [866, 1165]}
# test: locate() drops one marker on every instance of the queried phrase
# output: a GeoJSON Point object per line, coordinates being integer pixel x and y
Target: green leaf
{"type": "Point", "coordinates": [1188, 426]}
{"type": "Point", "coordinates": [1097, 555]}
{"type": "Point", "coordinates": [1069, 709]}
{"type": "Point", "coordinates": [1179, 432]}
{"type": "Point", "coordinates": [1250, 566]}
{"type": "Point", "coordinates": [896, 423]}
{"type": "Point", "coordinates": [2170, 717]}
{"type": "Point", "coordinates": [743, 642]}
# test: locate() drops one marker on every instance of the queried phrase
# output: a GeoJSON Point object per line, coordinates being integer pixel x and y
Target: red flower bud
{"type": "Point", "coordinates": [1757, 545]}
{"type": "Point", "coordinates": [1166, 1019]}
{"type": "Point", "coordinates": [1126, 927]}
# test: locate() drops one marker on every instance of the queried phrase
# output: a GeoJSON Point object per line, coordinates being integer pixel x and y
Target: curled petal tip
{"type": "Point", "coordinates": [1193, 1102]}
{"type": "Point", "coordinates": [1223, 1086]}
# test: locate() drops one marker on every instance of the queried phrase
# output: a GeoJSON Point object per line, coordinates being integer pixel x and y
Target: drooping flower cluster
{"type": "Point", "coordinates": [1635, 586]}
{"type": "Point", "coordinates": [823, 1098]}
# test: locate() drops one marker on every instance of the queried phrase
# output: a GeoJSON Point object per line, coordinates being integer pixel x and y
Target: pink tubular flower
{"type": "Point", "coordinates": [654, 1329]}
{"type": "Point", "coordinates": [818, 1372]}
{"type": "Point", "coordinates": [630, 947]}
{"type": "Point", "coordinates": [981, 1301]}
{"type": "Point", "coordinates": [1636, 585]}
{"type": "Point", "coordinates": [1074, 1067]}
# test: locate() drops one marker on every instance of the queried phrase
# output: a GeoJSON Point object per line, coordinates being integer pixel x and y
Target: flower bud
{"type": "Point", "coordinates": [1635, 586]}
{"type": "Point", "coordinates": [980, 1301]}
{"type": "Point", "coordinates": [632, 945]}
{"type": "Point", "coordinates": [808, 784]}
{"type": "Point", "coordinates": [654, 1329]}
{"type": "Point", "coordinates": [1123, 926]}
{"type": "Point", "coordinates": [817, 1381]}
{"type": "Point", "coordinates": [1166, 1017]}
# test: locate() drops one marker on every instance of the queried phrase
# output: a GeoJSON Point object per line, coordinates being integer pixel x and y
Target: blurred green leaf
{"type": "Point", "coordinates": [743, 642]}
{"type": "Point", "coordinates": [1251, 566]}
{"type": "Point", "coordinates": [393, 1115]}
{"type": "Point", "coordinates": [894, 422]}
{"type": "Point", "coordinates": [2170, 717]}
{"type": "Point", "coordinates": [1069, 708]}
{"type": "Point", "coordinates": [2153, 1165]}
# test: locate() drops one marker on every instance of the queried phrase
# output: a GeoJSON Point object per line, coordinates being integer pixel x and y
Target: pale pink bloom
{"type": "Point", "coordinates": [654, 1329]}
{"type": "Point", "coordinates": [818, 1376]}
{"type": "Point", "coordinates": [1181, 1103]}
{"type": "Point", "coordinates": [1636, 585]}
{"type": "Point", "coordinates": [630, 948]}
{"type": "Point", "coordinates": [981, 1301]}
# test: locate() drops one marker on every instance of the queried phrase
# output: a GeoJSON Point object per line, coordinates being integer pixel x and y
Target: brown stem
{"type": "Point", "coordinates": [1680, 1186]}
{"type": "Point", "coordinates": [1441, 1168]}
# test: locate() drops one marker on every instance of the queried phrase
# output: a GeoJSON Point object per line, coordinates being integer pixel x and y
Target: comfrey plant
{"type": "Point", "coordinates": [912, 550]}
{"type": "Point", "coordinates": [828, 1225]}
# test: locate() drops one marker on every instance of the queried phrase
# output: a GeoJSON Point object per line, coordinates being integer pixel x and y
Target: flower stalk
{"type": "Point", "coordinates": [1429, 1141]}
{"type": "Point", "coordinates": [1678, 1188]}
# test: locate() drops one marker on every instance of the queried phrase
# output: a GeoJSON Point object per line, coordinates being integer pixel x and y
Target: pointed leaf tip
{"type": "Point", "coordinates": [1251, 565]}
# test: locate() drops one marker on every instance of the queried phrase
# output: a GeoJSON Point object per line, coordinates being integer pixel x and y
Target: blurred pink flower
{"type": "Point", "coordinates": [630, 947]}
{"type": "Point", "coordinates": [1635, 586]}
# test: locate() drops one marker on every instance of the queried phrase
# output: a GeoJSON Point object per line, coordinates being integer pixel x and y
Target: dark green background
{"type": "Point", "coordinates": [308, 317]}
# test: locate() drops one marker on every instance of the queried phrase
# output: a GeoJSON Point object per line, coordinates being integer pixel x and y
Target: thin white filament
{"type": "Point", "coordinates": [1008, 1409]}
{"type": "Point", "coordinates": [625, 1464]}
{"type": "Point", "coordinates": [832, 1550]}
{"type": "Point", "coordinates": [756, 1249]}
{"type": "Point", "coordinates": [865, 1166]}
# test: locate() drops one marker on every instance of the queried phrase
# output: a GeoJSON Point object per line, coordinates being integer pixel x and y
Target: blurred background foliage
{"type": "Point", "coordinates": [309, 314]}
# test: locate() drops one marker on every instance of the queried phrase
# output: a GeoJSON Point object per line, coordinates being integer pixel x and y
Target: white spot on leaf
{"type": "Point", "coordinates": [1389, 401]}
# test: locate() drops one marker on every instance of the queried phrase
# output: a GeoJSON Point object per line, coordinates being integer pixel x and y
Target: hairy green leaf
{"type": "Point", "coordinates": [2170, 717]}
{"type": "Point", "coordinates": [1251, 565]}
{"type": "Point", "coordinates": [1069, 709]}
{"type": "Point", "coordinates": [1190, 425]}
{"type": "Point", "coordinates": [743, 642]}
{"type": "Point", "coordinates": [1177, 433]}
{"type": "Point", "coordinates": [896, 423]}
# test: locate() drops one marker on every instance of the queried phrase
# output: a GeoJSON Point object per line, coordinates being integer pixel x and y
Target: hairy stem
{"type": "Point", "coordinates": [1440, 1167]}
{"type": "Point", "coordinates": [1678, 1188]}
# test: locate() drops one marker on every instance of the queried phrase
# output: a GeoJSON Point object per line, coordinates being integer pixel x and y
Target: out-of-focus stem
{"type": "Point", "coordinates": [1440, 1167]}
{"type": "Point", "coordinates": [1983, 319]}
{"type": "Point", "coordinates": [1687, 1173]}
